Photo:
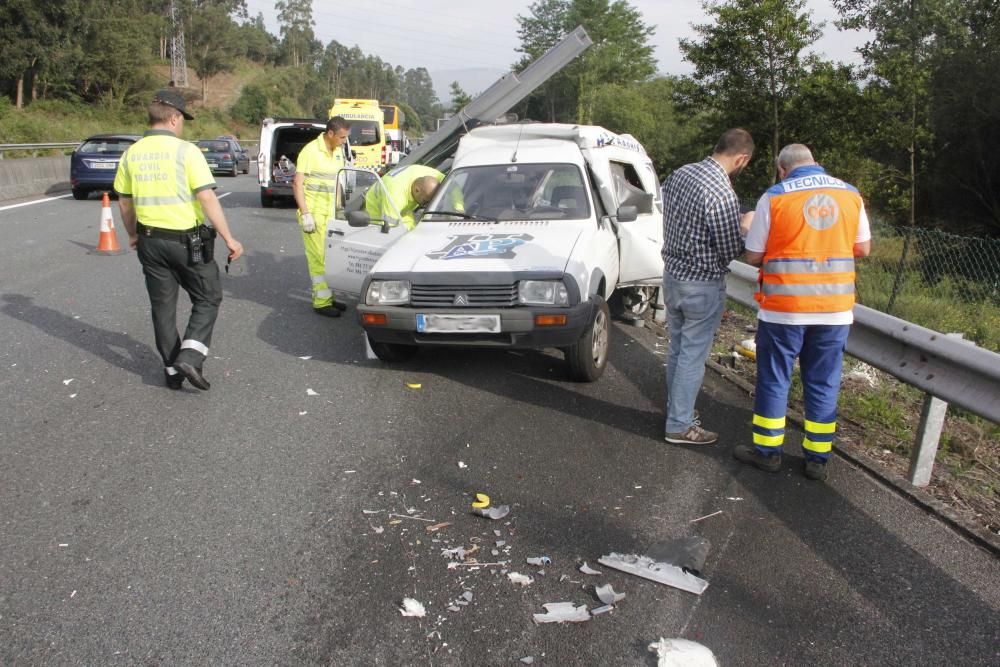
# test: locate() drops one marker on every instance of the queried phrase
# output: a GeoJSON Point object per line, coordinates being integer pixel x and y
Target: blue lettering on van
{"type": "Point", "coordinates": [498, 246]}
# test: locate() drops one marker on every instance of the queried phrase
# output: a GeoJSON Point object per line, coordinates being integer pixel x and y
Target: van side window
{"type": "Point", "coordinates": [629, 189]}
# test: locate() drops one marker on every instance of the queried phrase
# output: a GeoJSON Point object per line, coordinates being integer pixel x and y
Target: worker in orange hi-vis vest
{"type": "Point", "coordinates": [806, 233]}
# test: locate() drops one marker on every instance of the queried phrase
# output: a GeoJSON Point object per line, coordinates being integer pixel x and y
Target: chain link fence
{"type": "Point", "coordinates": [942, 281]}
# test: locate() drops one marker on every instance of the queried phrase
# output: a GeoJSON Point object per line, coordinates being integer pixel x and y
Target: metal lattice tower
{"type": "Point", "coordinates": [178, 60]}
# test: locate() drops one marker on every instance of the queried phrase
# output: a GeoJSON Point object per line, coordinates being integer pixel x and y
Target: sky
{"type": "Point", "coordinates": [449, 35]}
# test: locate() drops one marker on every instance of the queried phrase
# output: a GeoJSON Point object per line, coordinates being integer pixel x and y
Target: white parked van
{"type": "Point", "coordinates": [531, 233]}
{"type": "Point", "coordinates": [281, 139]}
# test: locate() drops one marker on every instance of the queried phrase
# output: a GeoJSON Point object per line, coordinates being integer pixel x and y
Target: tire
{"type": "Point", "coordinates": [631, 303]}
{"type": "Point", "coordinates": [235, 171]}
{"type": "Point", "coordinates": [266, 201]}
{"type": "Point", "coordinates": [247, 169]}
{"type": "Point", "coordinates": [392, 352]}
{"type": "Point", "coordinates": [588, 357]}
{"type": "Point", "coordinates": [80, 193]}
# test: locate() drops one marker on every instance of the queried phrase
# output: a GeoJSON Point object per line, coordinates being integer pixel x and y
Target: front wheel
{"type": "Point", "coordinates": [80, 193]}
{"type": "Point", "coordinates": [266, 201]}
{"type": "Point", "coordinates": [235, 171]}
{"type": "Point", "coordinates": [392, 352]}
{"type": "Point", "coordinates": [588, 357]}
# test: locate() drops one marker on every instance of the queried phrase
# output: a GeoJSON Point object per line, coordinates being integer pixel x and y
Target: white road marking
{"type": "Point", "coordinates": [224, 194]}
{"type": "Point", "coordinates": [37, 201]}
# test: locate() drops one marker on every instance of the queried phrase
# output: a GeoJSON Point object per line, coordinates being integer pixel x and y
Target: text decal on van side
{"type": "Point", "coordinates": [498, 246]}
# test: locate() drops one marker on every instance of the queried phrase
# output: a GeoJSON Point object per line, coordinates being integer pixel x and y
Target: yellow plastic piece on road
{"type": "Point", "coordinates": [414, 385]}
{"type": "Point", "coordinates": [482, 501]}
{"type": "Point", "coordinates": [748, 348]}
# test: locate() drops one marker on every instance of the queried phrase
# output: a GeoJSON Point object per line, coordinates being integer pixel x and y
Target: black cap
{"type": "Point", "coordinates": [172, 99]}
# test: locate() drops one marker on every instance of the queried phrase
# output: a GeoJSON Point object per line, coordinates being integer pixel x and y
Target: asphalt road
{"type": "Point", "coordinates": [254, 524]}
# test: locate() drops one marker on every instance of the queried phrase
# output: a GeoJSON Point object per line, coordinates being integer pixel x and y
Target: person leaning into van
{"type": "Point", "coordinates": [314, 187]}
{"type": "Point", "coordinates": [407, 188]}
{"type": "Point", "coordinates": [165, 193]}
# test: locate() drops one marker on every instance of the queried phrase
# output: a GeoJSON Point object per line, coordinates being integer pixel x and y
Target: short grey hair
{"type": "Point", "coordinates": [794, 155]}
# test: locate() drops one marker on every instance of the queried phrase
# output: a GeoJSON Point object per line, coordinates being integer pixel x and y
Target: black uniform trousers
{"type": "Point", "coordinates": [166, 268]}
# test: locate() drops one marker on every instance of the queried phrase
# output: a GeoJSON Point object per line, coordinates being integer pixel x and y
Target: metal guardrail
{"type": "Point", "coordinates": [943, 366]}
{"type": "Point", "coordinates": [35, 148]}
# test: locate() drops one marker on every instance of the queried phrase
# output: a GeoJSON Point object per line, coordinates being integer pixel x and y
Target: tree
{"type": "Point", "coordinates": [459, 98]}
{"type": "Point", "coordinates": [213, 42]}
{"type": "Point", "coordinates": [620, 53]}
{"type": "Point", "coordinates": [295, 17]}
{"type": "Point", "coordinates": [748, 65]}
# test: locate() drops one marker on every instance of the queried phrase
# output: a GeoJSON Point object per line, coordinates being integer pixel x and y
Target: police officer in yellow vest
{"type": "Point", "coordinates": [315, 186]}
{"type": "Point", "coordinates": [408, 188]}
{"type": "Point", "coordinates": [166, 195]}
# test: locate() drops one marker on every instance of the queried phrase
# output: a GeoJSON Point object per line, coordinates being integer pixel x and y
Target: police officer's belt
{"type": "Point", "coordinates": [179, 235]}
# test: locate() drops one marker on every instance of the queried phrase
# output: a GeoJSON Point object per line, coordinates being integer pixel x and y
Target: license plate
{"type": "Point", "coordinates": [458, 323]}
{"type": "Point", "coordinates": [105, 165]}
{"type": "Point", "coordinates": [213, 165]}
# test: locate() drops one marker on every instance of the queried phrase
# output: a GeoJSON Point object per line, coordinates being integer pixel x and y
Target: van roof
{"type": "Point", "coordinates": [585, 136]}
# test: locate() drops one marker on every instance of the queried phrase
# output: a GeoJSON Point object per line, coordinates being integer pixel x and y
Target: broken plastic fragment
{"type": "Point", "coordinates": [518, 578]}
{"type": "Point", "coordinates": [482, 501]}
{"type": "Point", "coordinates": [597, 611]}
{"type": "Point", "coordinates": [663, 573]}
{"type": "Point", "coordinates": [688, 553]}
{"type": "Point", "coordinates": [461, 465]}
{"type": "Point", "coordinates": [539, 561]}
{"type": "Point", "coordinates": [528, 659]}
{"type": "Point", "coordinates": [586, 569]}
{"type": "Point", "coordinates": [495, 513]}
{"type": "Point", "coordinates": [438, 526]}
{"type": "Point", "coordinates": [413, 385]}
{"type": "Point", "coordinates": [562, 612]}
{"type": "Point", "coordinates": [306, 358]}
{"type": "Point", "coordinates": [412, 608]}
{"type": "Point", "coordinates": [458, 553]}
{"type": "Point", "coordinates": [310, 392]}
{"type": "Point", "coordinates": [454, 608]}
{"type": "Point", "coordinates": [607, 595]}
{"type": "Point", "coordinates": [467, 596]}
{"type": "Point", "coordinates": [682, 653]}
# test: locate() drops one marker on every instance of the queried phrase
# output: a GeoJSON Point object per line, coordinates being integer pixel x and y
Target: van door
{"type": "Point", "coordinates": [640, 241]}
{"type": "Point", "coordinates": [351, 252]}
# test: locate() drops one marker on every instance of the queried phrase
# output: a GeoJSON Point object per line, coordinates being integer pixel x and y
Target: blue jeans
{"type": "Point", "coordinates": [694, 311]}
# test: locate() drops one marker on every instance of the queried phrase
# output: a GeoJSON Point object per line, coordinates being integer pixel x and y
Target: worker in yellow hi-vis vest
{"type": "Point", "coordinates": [314, 187]}
{"type": "Point", "coordinates": [166, 195]}
{"type": "Point", "coordinates": [408, 188]}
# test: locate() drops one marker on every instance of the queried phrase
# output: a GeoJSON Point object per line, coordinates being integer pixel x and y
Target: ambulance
{"type": "Point", "coordinates": [554, 220]}
{"type": "Point", "coordinates": [367, 135]}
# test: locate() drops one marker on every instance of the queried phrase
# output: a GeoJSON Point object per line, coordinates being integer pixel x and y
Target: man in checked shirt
{"type": "Point", "coordinates": [703, 232]}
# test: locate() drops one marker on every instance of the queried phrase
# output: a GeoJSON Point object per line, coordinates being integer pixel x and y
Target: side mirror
{"type": "Point", "coordinates": [627, 213]}
{"type": "Point", "coordinates": [358, 218]}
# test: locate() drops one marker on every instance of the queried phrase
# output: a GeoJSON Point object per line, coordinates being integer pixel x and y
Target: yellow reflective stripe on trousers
{"type": "Point", "coordinates": [768, 440]}
{"type": "Point", "coordinates": [819, 427]}
{"type": "Point", "coordinates": [769, 422]}
{"type": "Point", "coordinates": [818, 447]}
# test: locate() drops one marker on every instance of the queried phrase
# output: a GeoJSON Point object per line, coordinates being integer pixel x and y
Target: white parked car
{"type": "Point", "coordinates": [533, 230]}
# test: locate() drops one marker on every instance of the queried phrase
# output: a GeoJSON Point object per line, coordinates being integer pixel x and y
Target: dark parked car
{"type": "Point", "coordinates": [93, 165]}
{"type": "Point", "coordinates": [224, 156]}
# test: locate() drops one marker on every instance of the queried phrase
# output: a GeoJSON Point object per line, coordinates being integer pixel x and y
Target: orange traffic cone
{"type": "Point", "coordinates": [107, 243]}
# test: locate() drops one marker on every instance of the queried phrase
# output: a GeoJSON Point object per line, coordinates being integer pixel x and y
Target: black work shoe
{"type": "Point", "coordinates": [816, 470]}
{"type": "Point", "coordinates": [174, 382]}
{"type": "Point", "coordinates": [193, 375]}
{"type": "Point", "coordinates": [750, 454]}
{"type": "Point", "coordinates": [327, 311]}
{"type": "Point", "coordinates": [339, 306]}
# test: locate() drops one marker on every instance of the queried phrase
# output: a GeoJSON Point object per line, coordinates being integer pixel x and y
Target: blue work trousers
{"type": "Point", "coordinates": [694, 311]}
{"type": "Point", "coordinates": [820, 349]}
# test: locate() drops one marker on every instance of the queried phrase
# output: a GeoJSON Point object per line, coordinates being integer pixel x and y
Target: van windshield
{"type": "Point", "coordinates": [513, 192]}
{"type": "Point", "coordinates": [364, 133]}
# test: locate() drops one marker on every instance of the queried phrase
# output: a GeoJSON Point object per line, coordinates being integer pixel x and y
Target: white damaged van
{"type": "Point", "coordinates": [530, 234]}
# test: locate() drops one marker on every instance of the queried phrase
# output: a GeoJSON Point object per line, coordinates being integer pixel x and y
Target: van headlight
{"type": "Point", "coordinates": [542, 293]}
{"type": "Point", "coordinates": [388, 293]}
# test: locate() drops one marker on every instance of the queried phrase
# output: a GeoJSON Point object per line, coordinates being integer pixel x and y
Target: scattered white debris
{"type": "Point", "coordinates": [64, 545]}
{"type": "Point", "coordinates": [682, 653]}
{"type": "Point", "coordinates": [454, 608]}
{"type": "Point", "coordinates": [663, 573]}
{"type": "Point", "coordinates": [310, 392]}
{"type": "Point", "coordinates": [518, 578]}
{"type": "Point", "coordinates": [72, 395]}
{"type": "Point", "coordinates": [350, 472]}
{"type": "Point", "coordinates": [563, 577]}
{"type": "Point", "coordinates": [461, 465]}
{"type": "Point", "coordinates": [528, 659]}
{"type": "Point", "coordinates": [412, 608]}
{"type": "Point", "coordinates": [66, 382]}
{"type": "Point", "coordinates": [864, 373]}
{"type": "Point", "coordinates": [306, 358]}
{"type": "Point", "coordinates": [734, 498]}
{"type": "Point", "coordinates": [748, 348]}
{"type": "Point", "coordinates": [562, 612]}
{"type": "Point", "coordinates": [707, 516]}
{"type": "Point", "coordinates": [458, 553]}
{"type": "Point", "coordinates": [378, 530]}
{"type": "Point", "coordinates": [415, 481]}
{"type": "Point", "coordinates": [586, 569]}
{"type": "Point", "coordinates": [303, 413]}
{"type": "Point", "coordinates": [607, 595]}
{"type": "Point", "coordinates": [495, 513]}
{"type": "Point", "coordinates": [73, 594]}
{"type": "Point", "coordinates": [467, 596]}
{"type": "Point", "coordinates": [372, 511]}
{"type": "Point", "coordinates": [539, 561]}
{"type": "Point", "coordinates": [597, 611]}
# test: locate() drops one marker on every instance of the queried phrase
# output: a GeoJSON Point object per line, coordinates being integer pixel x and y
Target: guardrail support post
{"type": "Point", "coordinates": [928, 436]}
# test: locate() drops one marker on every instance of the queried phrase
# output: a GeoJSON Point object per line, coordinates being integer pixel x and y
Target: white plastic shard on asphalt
{"type": "Point", "coordinates": [607, 595]}
{"type": "Point", "coordinates": [521, 579]}
{"type": "Point", "coordinates": [412, 608]}
{"type": "Point", "coordinates": [663, 573]}
{"type": "Point", "coordinates": [586, 569]}
{"type": "Point", "coordinates": [310, 392]}
{"type": "Point", "coordinates": [682, 653]}
{"type": "Point", "coordinates": [538, 561]}
{"type": "Point", "coordinates": [494, 513]}
{"type": "Point", "coordinates": [562, 612]}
